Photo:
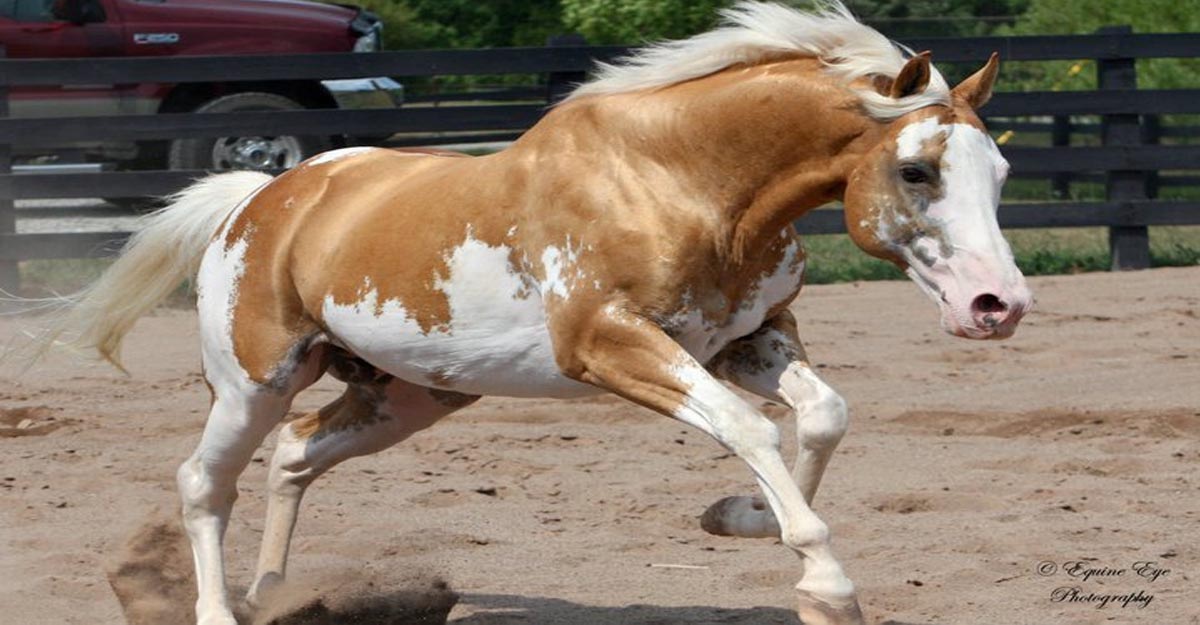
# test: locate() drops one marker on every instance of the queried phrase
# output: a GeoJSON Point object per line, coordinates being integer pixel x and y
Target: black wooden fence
{"type": "Point", "coordinates": [1122, 159]}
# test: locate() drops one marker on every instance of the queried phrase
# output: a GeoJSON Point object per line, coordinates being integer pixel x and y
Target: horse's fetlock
{"type": "Point", "coordinates": [808, 536]}
{"type": "Point", "coordinates": [826, 581]}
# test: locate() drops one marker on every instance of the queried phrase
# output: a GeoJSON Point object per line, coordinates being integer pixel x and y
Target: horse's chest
{"type": "Point", "coordinates": [705, 330]}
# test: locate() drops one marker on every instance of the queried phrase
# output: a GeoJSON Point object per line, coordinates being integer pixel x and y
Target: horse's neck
{"type": "Point", "coordinates": [758, 146]}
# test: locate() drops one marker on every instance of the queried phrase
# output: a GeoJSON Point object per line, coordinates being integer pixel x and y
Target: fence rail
{"type": "Point", "coordinates": [1124, 161]}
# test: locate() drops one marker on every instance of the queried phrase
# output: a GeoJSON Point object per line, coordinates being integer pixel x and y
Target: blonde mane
{"type": "Point", "coordinates": [752, 32]}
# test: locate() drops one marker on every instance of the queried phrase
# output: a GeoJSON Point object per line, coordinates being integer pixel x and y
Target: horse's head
{"type": "Point", "coordinates": [925, 198]}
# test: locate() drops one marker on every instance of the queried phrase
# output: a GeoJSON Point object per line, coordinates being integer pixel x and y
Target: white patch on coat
{"type": "Point", "coordinates": [552, 266]}
{"type": "Point", "coordinates": [495, 343]}
{"type": "Point", "coordinates": [703, 339]}
{"type": "Point", "coordinates": [217, 289]}
{"type": "Point", "coordinates": [715, 409]}
{"type": "Point", "coordinates": [337, 155]}
{"type": "Point", "coordinates": [562, 269]}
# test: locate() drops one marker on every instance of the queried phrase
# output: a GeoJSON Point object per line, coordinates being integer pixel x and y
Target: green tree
{"type": "Point", "coordinates": [495, 23]}
{"type": "Point", "coordinates": [638, 21]}
{"type": "Point", "coordinates": [412, 24]}
{"type": "Point", "coordinates": [902, 19]}
{"type": "Point", "coordinates": [635, 21]}
{"type": "Point", "coordinates": [1054, 17]}
{"type": "Point", "coordinates": [402, 27]}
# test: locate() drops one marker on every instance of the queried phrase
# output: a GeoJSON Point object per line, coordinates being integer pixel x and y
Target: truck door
{"type": "Point", "coordinates": [59, 29]}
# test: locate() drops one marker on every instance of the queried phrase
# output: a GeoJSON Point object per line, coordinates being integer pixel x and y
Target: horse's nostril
{"type": "Point", "coordinates": [988, 303]}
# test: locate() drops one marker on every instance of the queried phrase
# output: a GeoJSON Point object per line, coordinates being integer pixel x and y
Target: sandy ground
{"type": "Point", "coordinates": [968, 467]}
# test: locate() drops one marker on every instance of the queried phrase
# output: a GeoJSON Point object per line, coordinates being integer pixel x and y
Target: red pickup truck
{"type": "Point", "coordinates": [108, 28]}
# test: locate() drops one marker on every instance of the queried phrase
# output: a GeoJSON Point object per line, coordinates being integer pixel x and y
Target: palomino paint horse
{"type": "Point", "coordinates": [637, 241]}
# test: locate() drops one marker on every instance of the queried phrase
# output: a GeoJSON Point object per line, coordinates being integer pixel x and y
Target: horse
{"type": "Point", "coordinates": [638, 240]}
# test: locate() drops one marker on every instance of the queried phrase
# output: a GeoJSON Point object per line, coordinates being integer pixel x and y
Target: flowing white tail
{"type": "Point", "coordinates": [165, 251]}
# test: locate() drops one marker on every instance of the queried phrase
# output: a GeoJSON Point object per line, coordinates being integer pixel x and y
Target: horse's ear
{"type": "Point", "coordinates": [976, 90]}
{"type": "Point", "coordinates": [913, 78]}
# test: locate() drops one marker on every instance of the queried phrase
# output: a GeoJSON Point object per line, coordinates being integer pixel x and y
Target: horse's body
{"type": "Point", "coordinates": [468, 299]}
{"type": "Point", "coordinates": [636, 241]}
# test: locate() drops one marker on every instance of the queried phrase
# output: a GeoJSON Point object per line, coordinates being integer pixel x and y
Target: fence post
{"type": "Point", "coordinates": [1151, 135]}
{"type": "Point", "coordinates": [1060, 137]}
{"type": "Point", "coordinates": [560, 84]}
{"type": "Point", "coordinates": [1129, 245]}
{"type": "Point", "coordinates": [10, 277]}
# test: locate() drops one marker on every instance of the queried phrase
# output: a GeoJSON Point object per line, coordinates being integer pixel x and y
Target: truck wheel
{"type": "Point", "coordinates": [250, 152]}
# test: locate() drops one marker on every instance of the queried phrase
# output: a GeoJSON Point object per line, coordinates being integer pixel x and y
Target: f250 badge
{"type": "Point", "coordinates": [155, 38]}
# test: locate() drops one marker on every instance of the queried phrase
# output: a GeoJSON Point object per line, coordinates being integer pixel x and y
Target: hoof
{"type": "Point", "coordinates": [814, 611]}
{"type": "Point", "coordinates": [745, 517]}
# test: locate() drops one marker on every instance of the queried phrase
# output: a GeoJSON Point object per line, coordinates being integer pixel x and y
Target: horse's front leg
{"type": "Point", "coordinates": [634, 358]}
{"type": "Point", "coordinates": [771, 363]}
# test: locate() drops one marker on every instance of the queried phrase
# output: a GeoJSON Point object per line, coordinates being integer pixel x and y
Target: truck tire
{"type": "Point", "coordinates": [251, 152]}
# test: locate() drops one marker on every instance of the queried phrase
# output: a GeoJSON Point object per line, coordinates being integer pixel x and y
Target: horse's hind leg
{"type": "Point", "coordinates": [253, 381]}
{"type": "Point", "coordinates": [242, 414]}
{"type": "Point", "coordinates": [375, 412]}
{"type": "Point", "coordinates": [207, 482]}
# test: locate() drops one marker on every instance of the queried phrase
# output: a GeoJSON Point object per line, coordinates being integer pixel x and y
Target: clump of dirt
{"type": "Point", "coordinates": [155, 579]}
{"type": "Point", "coordinates": [155, 583]}
{"type": "Point", "coordinates": [903, 504]}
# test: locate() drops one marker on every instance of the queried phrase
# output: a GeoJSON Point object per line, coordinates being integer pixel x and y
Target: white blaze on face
{"type": "Point", "coordinates": [972, 174]}
{"type": "Point", "coordinates": [972, 258]}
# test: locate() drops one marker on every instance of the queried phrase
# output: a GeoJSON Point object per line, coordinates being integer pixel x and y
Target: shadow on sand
{"type": "Point", "coordinates": [513, 609]}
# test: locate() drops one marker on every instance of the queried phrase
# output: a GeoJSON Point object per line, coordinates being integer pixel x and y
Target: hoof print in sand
{"type": "Point", "coordinates": [28, 421]}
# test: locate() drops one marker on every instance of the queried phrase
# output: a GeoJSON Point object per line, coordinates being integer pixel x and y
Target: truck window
{"type": "Point", "coordinates": [28, 10]}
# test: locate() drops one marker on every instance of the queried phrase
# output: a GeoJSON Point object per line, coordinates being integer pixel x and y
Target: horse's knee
{"type": "Point", "coordinates": [803, 538]}
{"type": "Point", "coordinates": [825, 420]}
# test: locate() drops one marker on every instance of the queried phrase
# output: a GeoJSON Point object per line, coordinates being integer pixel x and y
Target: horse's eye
{"type": "Point", "coordinates": [914, 175]}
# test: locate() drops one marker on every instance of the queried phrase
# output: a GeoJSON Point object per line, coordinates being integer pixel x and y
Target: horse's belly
{"type": "Point", "coordinates": [516, 362]}
{"type": "Point", "coordinates": [495, 341]}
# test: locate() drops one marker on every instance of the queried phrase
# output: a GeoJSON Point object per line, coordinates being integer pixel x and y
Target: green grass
{"type": "Point", "coordinates": [48, 278]}
{"type": "Point", "coordinates": [40, 278]}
